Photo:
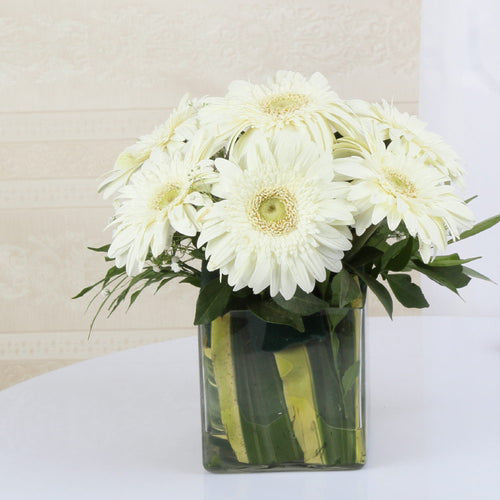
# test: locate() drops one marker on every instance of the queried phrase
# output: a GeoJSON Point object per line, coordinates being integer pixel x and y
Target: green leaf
{"type": "Point", "coordinates": [323, 286]}
{"type": "Point", "coordinates": [479, 227]}
{"type": "Point", "coordinates": [104, 248]}
{"type": "Point", "coordinates": [350, 375]}
{"type": "Point", "coordinates": [212, 301]}
{"type": "Point", "coordinates": [450, 277]}
{"type": "Point", "coordinates": [398, 255]}
{"type": "Point", "coordinates": [271, 312]}
{"type": "Point", "coordinates": [135, 295]}
{"type": "Point", "coordinates": [148, 275]}
{"type": "Point", "coordinates": [378, 289]}
{"type": "Point", "coordinates": [119, 278]}
{"type": "Point", "coordinates": [450, 260]}
{"type": "Point", "coordinates": [360, 241]}
{"type": "Point", "coordinates": [206, 276]}
{"type": "Point", "coordinates": [104, 302]}
{"type": "Point", "coordinates": [118, 300]}
{"type": "Point", "coordinates": [380, 236]}
{"type": "Point", "coordinates": [345, 288]}
{"type": "Point", "coordinates": [87, 289]}
{"type": "Point", "coordinates": [197, 253]}
{"type": "Point", "coordinates": [266, 425]}
{"type": "Point", "coordinates": [468, 200]}
{"type": "Point", "coordinates": [163, 282]}
{"type": "Point", "coordinates": [244, 292]}
{"type": "Point", "coordinates": [366, 255]}
{"type": "Point", "coordinates": [192, 279]}
{"type": "Point", "coordinates": [278, 336]}
{"type": "Point", "coordinates": [112, 272]}
{"type": "Point", "coordinates": [335, 316]}
{"type": "Point", "coordinates": [335, 339]}
{"type": "Point", "coordinates": [408, 293]}
{"type": "Point", "coordinates": [472, 273]}
{"type": "Point", "coordinates": [301, 303]}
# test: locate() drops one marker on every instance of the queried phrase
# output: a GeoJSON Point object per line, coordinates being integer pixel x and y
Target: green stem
{"type": "Point", "coordinates": [361, 240]}
{"type": "Point", "coordinates": [250, 400]}
{"type": "Point", "coordinates": [266, 425]}
{"type": "Point", "coordinates": [298, 387]}
{"type": "Point", "coordinates": [225, 379]}
{"type": "Point", "coordinates": [335, 342]}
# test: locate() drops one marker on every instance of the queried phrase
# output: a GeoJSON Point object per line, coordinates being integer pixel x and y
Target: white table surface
{"type": "Point", "coordinates": [127, 425]}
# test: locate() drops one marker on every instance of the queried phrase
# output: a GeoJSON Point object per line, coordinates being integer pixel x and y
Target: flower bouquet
{"type": "Point", "coordinates": [284, 204]}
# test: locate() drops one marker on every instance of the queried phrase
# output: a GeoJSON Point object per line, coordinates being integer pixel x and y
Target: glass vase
{"type": "Point", "coordinates": [276, 399]}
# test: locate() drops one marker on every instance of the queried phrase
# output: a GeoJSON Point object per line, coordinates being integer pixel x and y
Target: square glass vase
{"type": "Point", "coordinates": [276, 399]}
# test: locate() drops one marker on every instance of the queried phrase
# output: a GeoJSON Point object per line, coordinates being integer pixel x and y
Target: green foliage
{"type": "Point", "coordinates": [450, 277]}
{"type": "Point", "coordinates": [379, 237]}
{"type": "Point", "coordinates": [108, 278]}
{"type": "Point", "coordinates": [378, 289]}
{"type": "Point", "coordinates": [408, 294]}
{"type": "Point", "coordinates": [366, 255]}
{"type": "Point", "coordinates": [277, 337]}
{"type": "Point", "coordinates": [450, 260]}
{"type": "Point", "coordinates": [475, 274]}
{"type": "Point", "coordinates": [360, 241]}
{"type": "Point", "coordinates": [479, 227]}
{"type": "Point", "coordinates": [104, 248]}
{"type": "Point", "coordinates": [192, 279]}
{"type": "Point", "coordinates": [301, 303]}
{"type": "Point", "coordinates": [212, 301]}
{"type": "Point", "coordinates": [345, 289]}
{"type": "Point", "coordinates": [335, 316]}
{"type": "Point", "coordinates": [87, 289]}
{"type": "Point", "coordinates": [373, 256]}
{"type": "Point", "coordinates": [398, 255]}
{"type": "Point", "coordinates": [117, 286]}
{"type": "Point", "coordinates": [349, 376]}
{"type": "Point", "coordinates": [378, 255]}
{"type": "Point", "coordinates": [271, 312]}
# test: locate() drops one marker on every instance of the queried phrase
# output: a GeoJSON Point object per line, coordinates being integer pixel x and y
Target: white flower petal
{"type": "Point", "coordinates": [402, 186]}
{"type": "Point", "coordinates": [287, 101]}
{"type": "Point", "coordinates": [304, 239]}
{"type": "Point", "coordinates": [171, 135]}
{"type": "Point", "coordinates": [158, 201]}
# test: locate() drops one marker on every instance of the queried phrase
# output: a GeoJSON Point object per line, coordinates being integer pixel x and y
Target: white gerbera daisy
{"type": "Point", "coordinates": [160, 199]}
{"type": "Point", "coordinates": [397, 125]}
{"type": "Point", "coordinates": [282, 221]}
{"type": "Point", "coordinates": [392, 183]}
{"type": "Point", "coordinates": [171, 136]}
{"type": "Point", "coordinates": [288, 100]}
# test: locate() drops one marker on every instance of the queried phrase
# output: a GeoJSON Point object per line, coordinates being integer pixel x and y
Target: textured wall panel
{"type": "Point", "coordinates": [43, 262]}
{"type": "Point", "coordinates": [120, 54]}
{"type": "Point", "coordinates": [14, 371]}
{"type": "Point", "coordinates": [79, 125]}
{"type": "Point", "coordinates": [79, 345]}
{"type": "Point", "coordinates": [59, 159]}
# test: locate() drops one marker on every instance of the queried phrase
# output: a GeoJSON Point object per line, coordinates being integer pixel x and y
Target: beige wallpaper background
{"type": "Point", "coordinates": [79, 81]}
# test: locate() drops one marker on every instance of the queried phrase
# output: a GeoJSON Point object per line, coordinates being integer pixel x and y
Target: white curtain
{"type": "Point", "coordinates": [460, 99]}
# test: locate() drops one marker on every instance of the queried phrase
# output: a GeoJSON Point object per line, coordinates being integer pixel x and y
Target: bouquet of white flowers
{"type": "Point", "coordinates": [282, 201]}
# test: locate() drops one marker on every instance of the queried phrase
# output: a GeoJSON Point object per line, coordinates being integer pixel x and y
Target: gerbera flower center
{"type": "Point", "coordinates": [284, 104]}
{"type": "Point", "coordinates": [274, 211]}
{"type": "Point", "coordinates": [395, 183]}
{"type": "Point", "coordinates": [165, 196]}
